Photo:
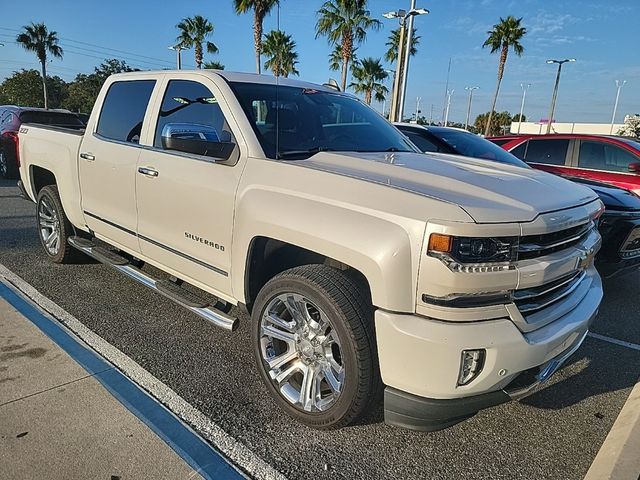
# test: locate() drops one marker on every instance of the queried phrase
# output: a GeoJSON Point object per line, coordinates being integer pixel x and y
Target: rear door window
{"type": "Point", "coordinates": [548, 151]}
{"type": "Point", "coordinates": [123, 110]}
{"type": "Point", "coordinates": [605, 156]}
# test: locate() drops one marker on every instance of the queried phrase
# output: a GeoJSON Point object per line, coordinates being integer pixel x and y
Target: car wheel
{"type": "Point", "coordinates": [315, 345]}
{"type": "Point", "coordinates": [54, 227]}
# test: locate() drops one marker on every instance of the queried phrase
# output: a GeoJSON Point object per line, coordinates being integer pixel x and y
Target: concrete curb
{"type": "Point", "coordinates": [225, 443]}
{"type": "Point", "coordinates": [619, 456]}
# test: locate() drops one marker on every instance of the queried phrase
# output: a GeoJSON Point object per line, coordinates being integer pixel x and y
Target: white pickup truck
{"type": "Point", "coordinates": [450, 284]}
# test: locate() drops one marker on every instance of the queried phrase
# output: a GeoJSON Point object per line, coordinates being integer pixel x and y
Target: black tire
{"type": "Point", "coordinates": [8, 167]}
{"type": "Point", "coordinates": [48, 197]}
{"type": "Point", "coordinates": [345, 304]}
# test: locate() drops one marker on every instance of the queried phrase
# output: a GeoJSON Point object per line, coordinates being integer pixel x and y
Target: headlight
{"type": "Point", "coordinates": [474, 254]}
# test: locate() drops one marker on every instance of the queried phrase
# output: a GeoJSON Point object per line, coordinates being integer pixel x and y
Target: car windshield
{"type": "Point", "coordinates": [51, 118]}
{"type": "Point", "coordinates": [296, 122]}
{"type": "Point", "coordinates": [471, 145]}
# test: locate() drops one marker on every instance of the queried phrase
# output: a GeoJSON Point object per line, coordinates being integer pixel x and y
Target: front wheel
{"type": "Point", "coordinates": [315, 345]}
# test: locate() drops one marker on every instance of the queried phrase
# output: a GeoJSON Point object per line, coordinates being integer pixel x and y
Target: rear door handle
{"type": "Point", "coordinates": [149, 172]}
{"type": "Point", "coordinates": [88, 156]}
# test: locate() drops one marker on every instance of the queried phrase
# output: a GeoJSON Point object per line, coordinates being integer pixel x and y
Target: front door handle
{"type": "Point", "coordinates": [88, 156]}
{"type": "Point", "coordinates": [149, 172]}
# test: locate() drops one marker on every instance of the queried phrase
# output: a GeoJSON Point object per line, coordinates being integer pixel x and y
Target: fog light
{"type": "Point", "coordinates": [470, 365]}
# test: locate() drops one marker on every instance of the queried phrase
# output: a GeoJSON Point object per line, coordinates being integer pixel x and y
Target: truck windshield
{"type": "Point", "coordinates": [296, 122]}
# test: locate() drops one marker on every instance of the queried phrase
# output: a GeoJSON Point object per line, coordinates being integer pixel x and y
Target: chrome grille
{"type": "Point", "coordinates": [533, 246]}
{"type": "Point", "coordinates": [532, 299]}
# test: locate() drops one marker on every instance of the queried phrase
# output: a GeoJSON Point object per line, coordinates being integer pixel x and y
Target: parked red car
{"type": "Point", "coordinates": [613, 160]}
{"type": "Point", "coordinates": [11, 117]}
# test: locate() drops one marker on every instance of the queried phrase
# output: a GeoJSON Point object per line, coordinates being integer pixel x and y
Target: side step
{"type": "Point", "coordinates": [179, 295]}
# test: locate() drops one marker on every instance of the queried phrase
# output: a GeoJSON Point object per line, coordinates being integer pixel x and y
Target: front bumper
{"type": "Point", "coordinates": [409, 411]}
{"type": "Point", "coordinates": [420, 361]}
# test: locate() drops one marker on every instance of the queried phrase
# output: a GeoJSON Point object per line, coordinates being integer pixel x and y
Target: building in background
{"type": "Point", "coordinates": [534, 128]}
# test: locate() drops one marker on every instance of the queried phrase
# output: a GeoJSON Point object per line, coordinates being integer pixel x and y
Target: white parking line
{"type": "Point", "coordinates": [234, 450]}
{"type": "Point", "coordinates": [622, 343]}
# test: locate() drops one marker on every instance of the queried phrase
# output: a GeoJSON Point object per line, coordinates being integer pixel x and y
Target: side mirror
{"type": "Point", "coordinates": [634, 167]}
{"type": "Point", "coordinates": [197, 139]}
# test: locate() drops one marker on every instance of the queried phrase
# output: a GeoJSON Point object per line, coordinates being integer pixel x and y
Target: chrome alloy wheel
{"type": "Point", "coordinates": [301, 352]}
{"type": "Point", "coordinates": [49, 224]}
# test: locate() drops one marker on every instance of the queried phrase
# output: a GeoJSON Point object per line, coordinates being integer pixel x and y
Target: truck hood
{"type": "Point", "coordinates": [489, 192]}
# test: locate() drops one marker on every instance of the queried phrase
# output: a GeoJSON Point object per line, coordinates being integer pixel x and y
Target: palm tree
{"type": "Point", "coordinates": [261, 9]}
{"type": "Point", "coordinates": [280, 50]}
{"type": "Point", "coordinates": [37, 38]}
{"type": "Point", "coordinates": [345, 23]}
{"type": "Point", "coordinates": [394, 40]}
{"type": "Point", "coordinates": [335, 58]}
{"type": "Point", "coordinates": [369, 73]}
{"type": "Point", "coordinates": [213, 65]}
{"type": "Point", "coordinates": [505, 34]}
{"type": "Point", "coordinates": [193, 33]}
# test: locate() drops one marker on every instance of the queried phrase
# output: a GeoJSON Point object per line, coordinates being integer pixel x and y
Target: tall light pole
{"type": "Point", "coordinates": [384, 102]}
{"type": "Point", "coordinates": [619, 86]}
{"type": "Point", "coordinates": [524, 96]}
{"type": "Point", "coordinates": [470, 89]}
{"type": "Point", "coordinates": [446, 115]}
{"type": "Point", "coordinates": [555, 88]}
{"type": "Point", "coordinates": [413, 11]}
{"type": "Point", "coordinates": [399, 84]}
{"type": "Point", "coordinates": [178, 50]}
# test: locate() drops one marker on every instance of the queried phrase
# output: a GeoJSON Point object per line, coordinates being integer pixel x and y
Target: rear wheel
{"type": "Point", "coordinates": [315, 346]}
{"type": "Point", "coordinates": [54, 227]}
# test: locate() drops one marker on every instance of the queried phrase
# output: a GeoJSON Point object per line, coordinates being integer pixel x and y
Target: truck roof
{"type": "Point", "coordinates": [232, 77]}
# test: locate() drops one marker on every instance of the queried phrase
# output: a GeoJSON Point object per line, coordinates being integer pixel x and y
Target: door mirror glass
{"type": "Point", "coordinates": [634, 167]}
{"type": "Point", "coordinates": [197, 139]}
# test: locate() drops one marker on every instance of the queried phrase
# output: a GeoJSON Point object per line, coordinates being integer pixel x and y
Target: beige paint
{"type": "Point", "coordinates": [371, 212]}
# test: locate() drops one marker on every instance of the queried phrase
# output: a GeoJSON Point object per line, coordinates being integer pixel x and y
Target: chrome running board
{"type": "Point", "coordinates": [107, 257]}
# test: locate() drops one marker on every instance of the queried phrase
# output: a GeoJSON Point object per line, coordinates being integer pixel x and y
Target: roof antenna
{"type": "Point", "coordinates": [278, 90]}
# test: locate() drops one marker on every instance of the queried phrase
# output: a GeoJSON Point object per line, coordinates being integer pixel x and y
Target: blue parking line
{"type": "Point", "coordinates": [208, 462]}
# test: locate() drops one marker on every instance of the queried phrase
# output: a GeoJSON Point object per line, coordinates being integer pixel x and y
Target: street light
{"type": "Point", "coordinates": [470, 89]}
{"type": "Point", "coordinates": [178, 49]}
{"type": "Point", "coordinates": [555, 89]}
{"type": "Point", "coordinates": [524, 95]}
{"type": "Point", "coordinates": [619, 86]}
{"type": "Point", "coordinates": [400, 82]}
{"type": "Point", "coordinates": [446, 115]}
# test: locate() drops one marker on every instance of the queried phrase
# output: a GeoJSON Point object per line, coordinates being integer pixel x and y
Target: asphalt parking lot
{"type": "Point", "coordinates": [555, 433]}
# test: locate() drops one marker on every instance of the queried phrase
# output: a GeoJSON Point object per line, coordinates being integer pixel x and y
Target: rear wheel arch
{"type": "Point", "coordinates": [40, 177]}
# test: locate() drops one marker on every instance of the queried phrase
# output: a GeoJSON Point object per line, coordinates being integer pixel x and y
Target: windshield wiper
{"type": "Point", "coordinates": [301, 153]}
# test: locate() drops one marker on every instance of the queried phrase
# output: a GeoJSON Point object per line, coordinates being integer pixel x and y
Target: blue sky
{"type": "Point", "coordinates": [601, 35]}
